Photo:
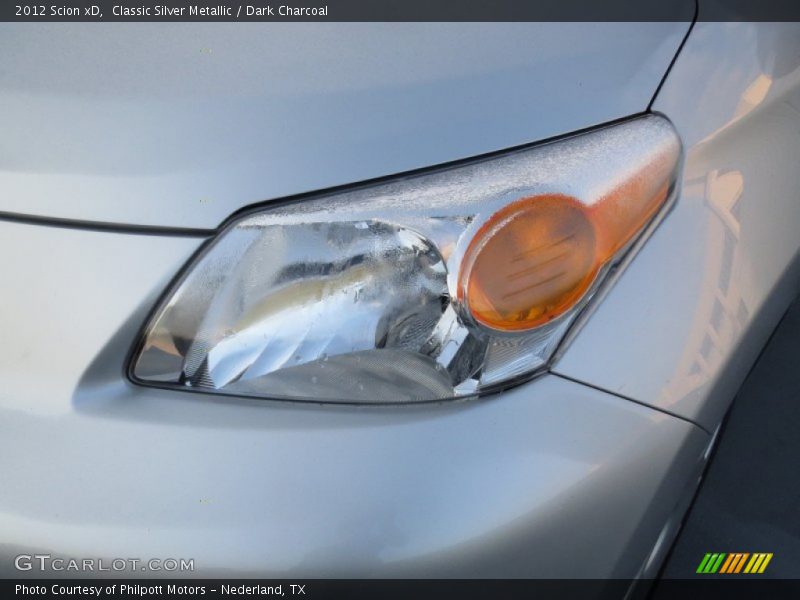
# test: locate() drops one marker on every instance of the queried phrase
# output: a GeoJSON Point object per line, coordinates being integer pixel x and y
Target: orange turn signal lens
{"type": "Point", "coordinates": [536, 258]}
{"type": "Point", "coordinates": [529, 262]}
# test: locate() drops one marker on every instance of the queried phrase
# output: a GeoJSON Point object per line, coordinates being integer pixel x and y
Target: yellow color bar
{"type": "Point", "coordinates": [765, 563]}
{"type": "Point", "coordinates": [752, 567]}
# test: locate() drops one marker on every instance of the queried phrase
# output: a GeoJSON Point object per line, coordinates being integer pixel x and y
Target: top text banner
{"type": "Point", "coordinates": [400, 10]}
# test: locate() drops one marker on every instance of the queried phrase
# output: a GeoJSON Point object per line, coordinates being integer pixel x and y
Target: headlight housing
{"type": "Point", "coordinates": [433, 286]}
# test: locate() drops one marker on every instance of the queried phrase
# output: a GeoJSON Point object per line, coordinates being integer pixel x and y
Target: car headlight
{"type": "Point", "coordinates": [433, 286]}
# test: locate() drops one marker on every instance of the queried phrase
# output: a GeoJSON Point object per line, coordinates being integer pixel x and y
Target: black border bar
{"type": "Point", "coordinates": [708, 588]}
{"type": "Point", "coordinates": [396, 10]}
{"type": "Point", "coordinates": [346, 10]}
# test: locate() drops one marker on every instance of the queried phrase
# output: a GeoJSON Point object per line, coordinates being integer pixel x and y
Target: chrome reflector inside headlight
{"type": "Point", "coordinates": [428, 287]}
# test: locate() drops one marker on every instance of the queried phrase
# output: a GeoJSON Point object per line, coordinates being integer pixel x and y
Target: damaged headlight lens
{"type": "Point", "coordinates": [434, 286]}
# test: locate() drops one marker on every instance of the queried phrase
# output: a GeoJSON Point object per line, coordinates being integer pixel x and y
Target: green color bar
{"type": "Point", "coordinates": [708, 560]}
{"type": "Point", "coordinates": [703, 562]}
{"type": "Point", "coordinates": [718, 563]}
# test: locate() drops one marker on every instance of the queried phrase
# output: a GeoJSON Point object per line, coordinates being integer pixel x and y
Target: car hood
{"type": "Point", "coordinates": [179, 125]}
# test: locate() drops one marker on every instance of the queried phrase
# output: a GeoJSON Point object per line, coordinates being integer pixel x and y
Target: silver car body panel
{"type": "Point", "coordinates": [684, 324]}
{"type": "Point", "coordinates": [552, 478]}
{"type": "Point", "coordinates": [182, 124]}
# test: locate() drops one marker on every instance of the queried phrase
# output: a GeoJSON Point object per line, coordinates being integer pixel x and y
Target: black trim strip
{"type": "Point", "coordinates": [677, 54]}
{"type": "Point", "coordinates": [103, 226]}
{"type": "Point", "coordinates": [629, 399]}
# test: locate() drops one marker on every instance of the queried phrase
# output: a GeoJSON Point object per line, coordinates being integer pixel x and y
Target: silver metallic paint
{"type": "Point", "coordinates": [684, 324]}
{"type": "Point", "coordinates": [534, 481]}
{"type": "Point", "coordinates": [219, 116]}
